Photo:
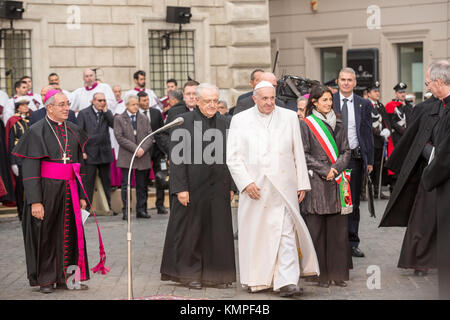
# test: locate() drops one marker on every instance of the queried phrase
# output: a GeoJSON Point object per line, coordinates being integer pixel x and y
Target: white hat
{"type": "Point", "coordinates": [264, 84]}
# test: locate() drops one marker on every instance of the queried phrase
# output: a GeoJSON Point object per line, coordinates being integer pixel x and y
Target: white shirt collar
{"type": "Point", "coordinates": [130, 114]}
{"type": "Point", "coordinates": [350, 99]}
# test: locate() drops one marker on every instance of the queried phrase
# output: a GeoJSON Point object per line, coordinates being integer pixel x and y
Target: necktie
{"type": "Point", "coordinates": [344, 112]}
{"type": "Point", "coordinates": [98, 117]}
{"type": "Point", "coordinates": [146, 114]}
{"type": "Point", "coordinates": [133, 121]}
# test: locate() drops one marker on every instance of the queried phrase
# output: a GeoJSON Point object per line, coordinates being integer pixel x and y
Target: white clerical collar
{"type": "Point", "coordinates": [350, 99]}
{"type": "Point", "coordinates": [59, 123]}
{"type": "Point", "coordinates": [130, 114]}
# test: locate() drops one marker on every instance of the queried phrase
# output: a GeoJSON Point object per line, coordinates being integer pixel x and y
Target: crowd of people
{"type": "Point", "coordinates": [300, 176]}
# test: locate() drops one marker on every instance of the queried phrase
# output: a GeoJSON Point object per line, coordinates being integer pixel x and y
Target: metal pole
{"type": "Point", "coordinates": [176, 122]}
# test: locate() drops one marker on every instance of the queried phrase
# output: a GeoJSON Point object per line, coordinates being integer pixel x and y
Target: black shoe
{"type": "Point", "coordinates": [46, 289]}
{"type": "Point", "coordinates": [194, 285]}
{"type": "Point", "coordinates": [356, 252]}
{"type": "Point", "coordinates": [143, 215]}
{"type": "Point", "coordinates": [340, 283]}
{"type": "Point", "coordinates": [125, 216]}
{"type": "Point", "coordinates": [64, 286]}
{"type": "Point", "coordinates": [420, 273]}
{"type": "Point", "coordinates": [290, 290]}
{"type": "Point", "coordinates": [115, 213]}
{"type": "Point", "coordinates": [162, 210]}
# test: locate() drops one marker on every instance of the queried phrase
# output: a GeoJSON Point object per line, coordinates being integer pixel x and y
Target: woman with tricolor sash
{"type": "Point", "coordinates": [325, 207]}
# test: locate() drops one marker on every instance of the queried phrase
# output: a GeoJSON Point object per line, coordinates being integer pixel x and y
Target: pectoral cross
{"type": "Point", "coordinates": [65, 158]}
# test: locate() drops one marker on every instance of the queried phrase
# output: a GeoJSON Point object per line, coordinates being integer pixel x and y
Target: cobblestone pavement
{"type": "Point", "coordinates": [381, 246]}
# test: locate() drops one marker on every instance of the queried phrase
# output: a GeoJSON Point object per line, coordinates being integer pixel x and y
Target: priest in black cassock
{"type": "Point", "coordinates": [52, 162]}
{"type": "Point", "coordinates": [199, 245]}
{"type": "Point", "coordinates": [411, 205]}
{"type": "Point", "coordinates": [436, 175]}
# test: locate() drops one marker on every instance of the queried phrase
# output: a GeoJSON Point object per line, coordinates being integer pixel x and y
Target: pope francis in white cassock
{"type": "Point", "coordinates": [266, 160]}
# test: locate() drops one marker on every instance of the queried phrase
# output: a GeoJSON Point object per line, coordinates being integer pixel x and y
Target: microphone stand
{"type": "Point", "coordinates": [176, 122]}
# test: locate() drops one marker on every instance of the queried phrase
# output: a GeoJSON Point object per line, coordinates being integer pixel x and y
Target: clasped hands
{"type": "Point", "coordinates": [254, 192]}
{"type": "Point", "coordinates": [37, 209]}
{"type": "Point", "coordinates": [183, 197]}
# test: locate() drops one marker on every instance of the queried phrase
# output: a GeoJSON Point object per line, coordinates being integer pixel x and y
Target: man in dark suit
{"type": "Point", "coordinates": [96, 121]}
{"type": "Point", "coordinates": [355, 112]}
{"type": "Point", "coordinates": [247, 102]}
{"type": "Point", "coordinates": [254, 80]}
{"type": "Point", "coordinates": [156, 151]}
{"type": "Point", "coordinates": [130, 128]}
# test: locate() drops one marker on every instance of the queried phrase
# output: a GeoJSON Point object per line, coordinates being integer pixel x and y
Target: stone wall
{"type": "Point", "coordinates": [298, 32]}
{"type": "Point", "coordinates": [233, 38]}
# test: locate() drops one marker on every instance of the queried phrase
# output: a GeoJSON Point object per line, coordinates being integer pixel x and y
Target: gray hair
{"type": "Point", "coordinates": [94, 97]}
{"type": "Point", "coordinates": [224, 103]}
{"type": "Point", "coordinates": [128, 97]}
{"type": "Point", "coordinates": [348, 70]}
{"type": "Point", "coordinates": [204, 86]}
{"type": "Point", "coordinates": [176, 94]}
{"type": "Point", "coordinates": [440, 70]}
{"type": "Point", "coordinates": [302, 98]}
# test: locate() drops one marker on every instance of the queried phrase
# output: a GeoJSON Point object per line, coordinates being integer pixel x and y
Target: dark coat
{"type": "Point", "coordinates": [363, 120]}
{"type": "Point", "coordinates": [199, 241]}
{"type": "Point", "coordinates": [156, 122]}
{"type": "Point", "coordinates": [437, 176]}
{"type": "Point", "coordinates": [98, 147]}
{"type": "Point", "coordinates": [42, 112]}
{"type": "Point", "coordinates": [324, 196]}
{"type": "Point", "coordinates": [378, 140]}
{"type": "Point", "coordinates": [407, 162]}
{"type": "Point", "coordinates": [173, 113]}
{"type": "Point", "coordinates": [247, 103]}
{"type": "Point", "coordinates": [123, 130]}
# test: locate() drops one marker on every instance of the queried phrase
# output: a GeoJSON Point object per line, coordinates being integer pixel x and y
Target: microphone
{"type": "Point", "coordinates": [178, 121]}
{"type": "Point", "coordinates": [174, 123]}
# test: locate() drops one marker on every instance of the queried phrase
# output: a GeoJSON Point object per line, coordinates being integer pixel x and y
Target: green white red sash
{"type": "Point", "coordinates": [326, 140]}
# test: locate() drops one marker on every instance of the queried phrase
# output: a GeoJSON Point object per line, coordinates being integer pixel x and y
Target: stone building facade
{"type": "Point", "coordinates": [409, 34]}
{"type": "Point", "coordinates": [230, 39]}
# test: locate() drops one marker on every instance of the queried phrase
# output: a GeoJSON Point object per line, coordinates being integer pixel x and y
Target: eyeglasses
{"type": "Point", "coordinates": [101, 100]}
{"type": "Point", "coordinates": [427, 83]}
{"type": "Point", "coordinates": [62, 104]}
{"type": "Point", "coordinates": [214, 102]}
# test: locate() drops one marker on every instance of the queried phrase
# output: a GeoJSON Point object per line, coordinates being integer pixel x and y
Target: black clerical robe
{"type": "Point", "coordinates": [436, 176]}
{"type": "Point", "coordinates": [51, 245]}
{"type": "Point", "coordinates": [410, 204]}
{"type": "Point", "coordinates": [6, 184]}
{"type": "Point", "coordinates": [199, 243]}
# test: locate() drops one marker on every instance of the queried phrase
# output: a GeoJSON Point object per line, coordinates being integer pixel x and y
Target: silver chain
{"type": "Point", "coordinates": [54, 132]}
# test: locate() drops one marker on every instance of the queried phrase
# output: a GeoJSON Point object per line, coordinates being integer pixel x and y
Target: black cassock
{"type": "Point", "coordinates": [410, 204]}
{"type": "Point", "coordinates": [199, 241]}
{"type": "Point", "coordinates": [437, 177]}
{"type": "Point", "coordinates": [50, 244]}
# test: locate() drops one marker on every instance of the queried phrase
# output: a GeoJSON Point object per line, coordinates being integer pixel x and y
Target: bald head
{"type": "Point", "coordinates": [88, 77]}
{"type": "Point", "coordinates": [269, 77]}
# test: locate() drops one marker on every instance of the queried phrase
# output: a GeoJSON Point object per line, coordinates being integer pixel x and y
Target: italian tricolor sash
{"type": "Point", "coordinates": [326, 140]}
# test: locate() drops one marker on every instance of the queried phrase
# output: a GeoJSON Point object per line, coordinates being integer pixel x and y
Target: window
{"type": "Point", "coordinates": [410, 66]}
{"type": "Point", "coordinates": [15, 58]}
{"type": "Point", "coordinates": [331, 62]}
{"type": "Point", "coordinates": [171, 56]}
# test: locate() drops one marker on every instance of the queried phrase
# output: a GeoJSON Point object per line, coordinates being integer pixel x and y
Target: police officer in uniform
{"type": "Point", "coordinates": [381, 128]}
{"type": "Point", "coordinates": [400, 111]}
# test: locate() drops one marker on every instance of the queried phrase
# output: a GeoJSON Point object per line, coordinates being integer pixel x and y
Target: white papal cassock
{"type": "Point", "coordinates": [268, 150]}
